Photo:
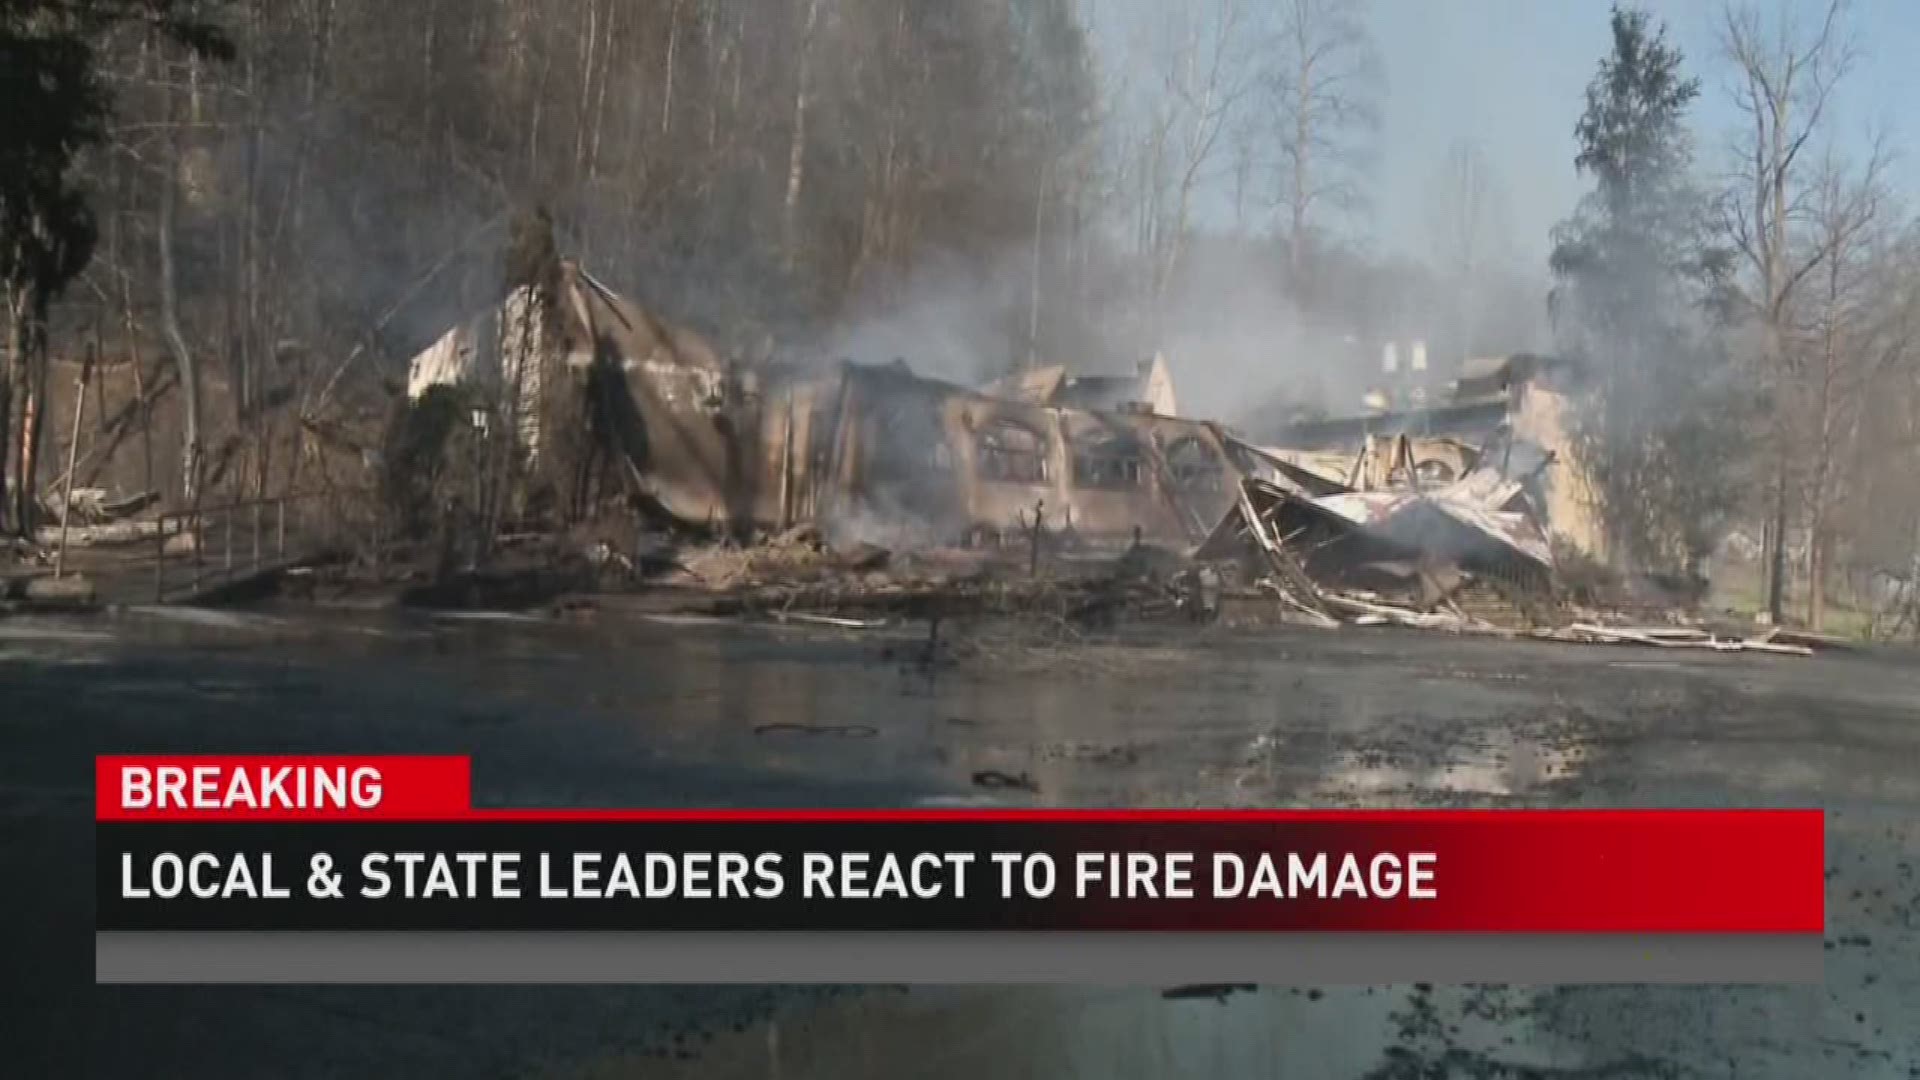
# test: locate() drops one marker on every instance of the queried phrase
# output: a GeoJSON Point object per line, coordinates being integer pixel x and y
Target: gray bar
{"type": "Point", "coordinates": [1034, 957]}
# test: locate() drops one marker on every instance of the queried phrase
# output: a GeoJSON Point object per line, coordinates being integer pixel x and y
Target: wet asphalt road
{"type": "Point", "coordinates": [622, 711]}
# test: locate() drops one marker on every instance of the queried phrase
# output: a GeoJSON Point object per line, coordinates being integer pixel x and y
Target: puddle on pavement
{"type": "Point", "coordinates": [685, 714]}
{"type": "Point", "coordinates": [27, 630]}
{"type": "Point", "coordinates": [1504, 765]}
{"type": "Point", "coordinates": [207, 618]}
{"type": "Point", "coordinates": [25, 639]}
{"type": "Point", "coordinates": [1332, 1033]}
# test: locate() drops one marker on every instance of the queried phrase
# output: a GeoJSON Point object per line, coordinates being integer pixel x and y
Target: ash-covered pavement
{"type": "Point", "coordinates": [623, 711]}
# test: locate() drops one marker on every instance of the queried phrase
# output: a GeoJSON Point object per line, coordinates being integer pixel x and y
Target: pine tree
{"type": "Point", "coordinates": [56, 108]}
{"type": "Point", "coordinates": [1634, 286]}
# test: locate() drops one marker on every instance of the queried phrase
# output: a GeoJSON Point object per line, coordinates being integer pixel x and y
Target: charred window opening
{"type": "Point", "coordinates": [1012, 453]}
{"type": "Point", "coordinates": [1432, 472]}
{"type": "Point", "coordinates": [1108, 460]}
{"type": "Point", "coordinates": [1194, 466]}
{"type": "Point", "coordinates": [911, 439]}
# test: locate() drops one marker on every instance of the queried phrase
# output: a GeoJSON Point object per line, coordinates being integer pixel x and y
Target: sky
{"type": "Point", "coordinates": [1510, 76]}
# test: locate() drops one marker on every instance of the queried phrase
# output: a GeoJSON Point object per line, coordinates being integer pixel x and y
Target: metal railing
{"type": "Point", "coordinates": [225, 543]}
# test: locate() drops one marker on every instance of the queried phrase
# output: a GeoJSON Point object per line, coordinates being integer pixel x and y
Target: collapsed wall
{"type": "Point", "coordinates": [608, 400]}
{"type": "Point", "coordinates": [984, 468]}
{"type": "Point", "coordinates": [1509, 413]}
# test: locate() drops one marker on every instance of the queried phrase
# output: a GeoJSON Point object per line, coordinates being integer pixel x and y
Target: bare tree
{"type": "Point", "coordinates": [1846, 209]}
{"type": "Point", "coordinates": [165, 228]}
{"type": "Point", "coordinates": [1468, 232]}
{"type": "Point", "coordinates": [1876, 512]}
{"type": "Point", "coordinates": [796, 152]}
{"type": "Point", "coordinates": [1784, 78]}
{"type": "Point", "coordinates": [1324, 78]}
{"type": "Point", "coordinates": [1204, 57]}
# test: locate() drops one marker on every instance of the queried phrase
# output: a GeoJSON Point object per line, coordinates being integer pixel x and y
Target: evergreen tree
{"type": "Point", "coordinates": [1635, 288]}
{"type": "Point", "coordinates": [56, 108]}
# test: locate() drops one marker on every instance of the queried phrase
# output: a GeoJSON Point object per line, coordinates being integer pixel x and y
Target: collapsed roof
{"type": "Point", "coordinates": [1412, 556]}
{"type": "Point", "coordinates": [600, 391]}
{"type": "Point", "coordinates": [1148, 389]}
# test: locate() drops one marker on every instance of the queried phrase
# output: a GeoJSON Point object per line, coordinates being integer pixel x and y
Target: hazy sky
{"type": "Point", "coordinates": [1510, 75]}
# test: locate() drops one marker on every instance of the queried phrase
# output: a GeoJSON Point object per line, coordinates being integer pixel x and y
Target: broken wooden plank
{"type": "Point", "coordinates": [1779, 647]}
{"type": "Point", "coordinates": [1311, 615]}
{"type": "Point", "coordinates": [829, 620]}
{"type": "Point", "coordinates": [1654, 636]}
{"type": "Point", "coordinates": [1640, 636]}
{"type": "Point", "coordinates": [1673, 633]}
{"type": "Point", "coordinates": [1425, 620]}
{"type": "Point", "coordinates": [125, 531]}
{"type": "Point", "coordinates": [1805, 638]}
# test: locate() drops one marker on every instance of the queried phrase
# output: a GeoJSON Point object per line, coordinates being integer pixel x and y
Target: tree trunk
{"type": "Point", "coordinates": [1913, 580]}
{"type": "Point", "coordinates": [1302, 177]}
{"type": "Point", "coordinates": [1033, 299]}
{"type": "Point", "coordinates": [797, 145]}
{"type": "Point", "coordinates": [666, 83]}
{"type": "Point", "coordinates": [33, 413]}
{"type": "Point", "coordinates": [1816, 575]}
{"type": "Point", "coordinates": [9, 376]}
{"type": "Point", "coordinates": [1817, 495]}
{"type": "Point", "coordinates": [582, 115]}
{"type": "Point", "coordinates": [139, 383]}
{"type": "Point", "coordinates": [1773, 293]}
{"type": "Point", "coordinates": [600, 95]}
{"type": "Point", "coordinates": [1777, 560]}
{"type": "Point", "coordinates": [177, 342]}
{"type": "Point", "coordinates": [22, 400]}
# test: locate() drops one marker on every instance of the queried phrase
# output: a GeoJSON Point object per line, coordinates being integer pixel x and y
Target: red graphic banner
{"type": "Point", "coordinates": [1574, 871]}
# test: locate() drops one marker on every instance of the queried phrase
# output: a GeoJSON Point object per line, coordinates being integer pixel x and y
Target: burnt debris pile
{"type": "Point", "coordinates": [1466, 556]}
